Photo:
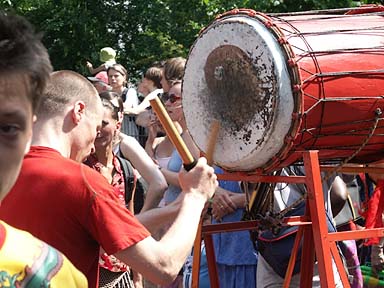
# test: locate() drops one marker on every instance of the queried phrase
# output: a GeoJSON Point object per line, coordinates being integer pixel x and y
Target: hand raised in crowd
{"type": "Point", "coordinates": [201, 180]}
{"type": "Point", "coordinates": [222, 204]}
{"type": "Point", "coordinates": [153, 126]}
{"type": "Point", "coordinates": [89, 64]}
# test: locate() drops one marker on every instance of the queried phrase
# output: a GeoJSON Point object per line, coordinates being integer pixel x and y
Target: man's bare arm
{"type": "Point", "coordinates": [160, 261]}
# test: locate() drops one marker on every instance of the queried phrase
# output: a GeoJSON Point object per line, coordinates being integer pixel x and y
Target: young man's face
{"type": "Point", "coordinates": [16, 119]}
{"type": "Point", "coordinates": [142, 88]}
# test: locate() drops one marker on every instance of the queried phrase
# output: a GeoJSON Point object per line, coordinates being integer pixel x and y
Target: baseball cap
{"type": "Point", "coordinates": [107, 54]}
{"type": "Point", "coordinates": [99, 77]}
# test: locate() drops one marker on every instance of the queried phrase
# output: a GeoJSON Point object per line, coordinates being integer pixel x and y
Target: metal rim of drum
{"type": "Point", "coordinates": [236, 74]}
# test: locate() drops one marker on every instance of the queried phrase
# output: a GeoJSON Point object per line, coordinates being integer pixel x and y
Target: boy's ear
{"type": "Point", "coordinates": [118, 125]}
{"type": "Point", "coordinates": [78, 111]}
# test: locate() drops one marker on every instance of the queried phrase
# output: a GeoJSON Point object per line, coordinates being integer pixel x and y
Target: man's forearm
{"type": "Point", "coordinates": [160, 261]}
{"type": "Point", "coordinates": [155, 218]}
{"type": "Point", "coordinates": [180, 236]}
{"type": "Point", "coordinates": [152, 198]}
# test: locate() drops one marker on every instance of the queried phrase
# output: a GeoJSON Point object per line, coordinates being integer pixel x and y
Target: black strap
{"type": "Point", "coordinates": [124, 94]}
{"type": "Point", "coordinates": [129, 178]}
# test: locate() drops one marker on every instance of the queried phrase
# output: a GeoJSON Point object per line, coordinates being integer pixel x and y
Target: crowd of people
{"type": "Point", "coordinates": [106, 207]}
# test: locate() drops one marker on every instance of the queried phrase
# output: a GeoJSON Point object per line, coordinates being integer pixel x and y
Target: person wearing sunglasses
{"type": "Point", "coordinates": [174, 108]}
{"type": "Point", "coordinates": [173, 98]}
{"type": "Point", "coordinates": [160, 148]}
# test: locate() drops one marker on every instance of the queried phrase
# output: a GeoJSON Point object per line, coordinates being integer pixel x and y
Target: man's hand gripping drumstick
{"type": "Point", "coordinates": [200, 177]}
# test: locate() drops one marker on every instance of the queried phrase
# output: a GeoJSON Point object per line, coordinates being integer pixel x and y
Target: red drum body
{"type": "Point", "coordinates": [279, 85]}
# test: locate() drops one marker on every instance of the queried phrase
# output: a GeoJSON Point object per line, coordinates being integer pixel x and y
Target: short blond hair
{"type": "Point", "coordinates": [65, 87]}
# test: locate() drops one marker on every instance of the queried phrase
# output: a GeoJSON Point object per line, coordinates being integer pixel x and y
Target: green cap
{"type": "Point", "coordinates": [107, 54]}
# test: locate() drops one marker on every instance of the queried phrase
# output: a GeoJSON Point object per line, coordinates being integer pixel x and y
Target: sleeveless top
{"type": "Point", "coordinates": [163, 161]}
{"type": "Point", "coordinates": [174, 165]}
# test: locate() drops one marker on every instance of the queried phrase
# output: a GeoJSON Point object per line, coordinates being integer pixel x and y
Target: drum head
{"type": "Point", "coordinates": [236, 74]}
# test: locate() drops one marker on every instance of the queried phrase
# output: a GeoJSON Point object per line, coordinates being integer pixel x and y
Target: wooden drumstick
{"type": "Point", "coordinates": [214, 132]}
{"type": "Point", "coordinates": [188, 161]}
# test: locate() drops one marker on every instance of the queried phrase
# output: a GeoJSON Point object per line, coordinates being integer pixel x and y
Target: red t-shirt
{"type": "Point", "coordinates": [71, 207]}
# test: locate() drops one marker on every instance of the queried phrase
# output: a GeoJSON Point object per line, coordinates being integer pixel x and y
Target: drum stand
{"type": "Point", "coordinates": [312, 228]}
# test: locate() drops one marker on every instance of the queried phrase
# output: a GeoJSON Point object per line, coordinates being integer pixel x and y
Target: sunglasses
{"type": "Point", "coordinates": [173, 98]}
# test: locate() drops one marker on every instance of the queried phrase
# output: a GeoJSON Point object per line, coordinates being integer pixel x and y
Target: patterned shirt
{"type": "Point", "coordinates": [106, 261]}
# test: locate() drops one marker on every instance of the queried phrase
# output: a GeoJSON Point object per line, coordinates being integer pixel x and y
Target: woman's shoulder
{"type": "Point", "coordinates": [159, 142]}
{"type": "Point", "coordinates": [128, 140]}
{"type": "Point", "coordinates": [130, 147]}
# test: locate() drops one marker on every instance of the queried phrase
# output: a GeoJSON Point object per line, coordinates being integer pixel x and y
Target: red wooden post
{"type": "Point", "coordinates": [307, 254]}
{"type": "Point", "coordinates": [197, 256]}
{"type": "Point", "coordinates": [292, 260]}
{"type": "Point", "coordinates": [319, 226]}
{"type": "Point", "coordinates": [211, 260]}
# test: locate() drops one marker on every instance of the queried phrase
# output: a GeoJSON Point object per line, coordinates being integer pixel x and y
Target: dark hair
{"type": "Point", "coordinates": [110, 96]}
{"type": "Point", "coordinates": [174, 69]}
{"type": "Point", "coordinates": [158, 64]}
{"type": "Point", "coordinates": [114, 109]}
{"type": "Point", "coordinates": [154, 74]}
{"type": "Point", "coordinates": [22, 52]}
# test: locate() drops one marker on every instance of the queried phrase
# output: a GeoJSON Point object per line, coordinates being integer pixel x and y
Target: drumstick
{"type": "Point", "coordinates": [214, 132]}
{"type": "Point", "coordinates": [188, 161]}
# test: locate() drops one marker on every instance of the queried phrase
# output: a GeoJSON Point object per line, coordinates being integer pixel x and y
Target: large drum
{"type": "Point", "coordinates": [281, 84]}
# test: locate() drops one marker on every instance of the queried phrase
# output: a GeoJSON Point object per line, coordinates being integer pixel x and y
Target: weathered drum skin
{"type": "Point", "coordinates": [283, 84]}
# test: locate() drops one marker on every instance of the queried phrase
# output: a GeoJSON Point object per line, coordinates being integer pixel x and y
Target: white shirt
{"type": "Point", "coordinates": [131, 99]}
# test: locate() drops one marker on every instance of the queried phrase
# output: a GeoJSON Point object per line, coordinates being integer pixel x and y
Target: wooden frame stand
{"type": "Point", "coordinates": [312, 229]}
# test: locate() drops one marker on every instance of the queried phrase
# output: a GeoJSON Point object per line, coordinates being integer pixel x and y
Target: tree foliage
{"type": "Point", "coordinates": [142, 31]}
